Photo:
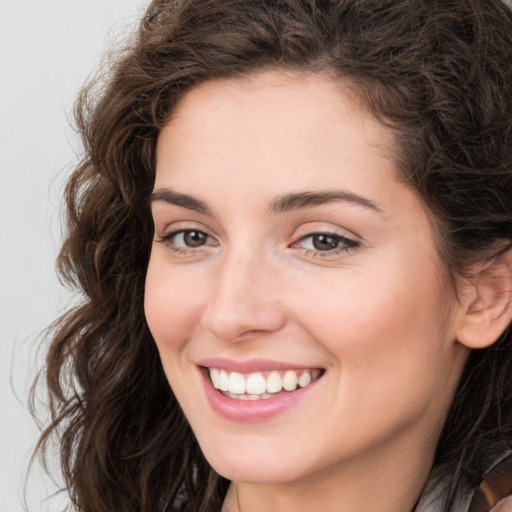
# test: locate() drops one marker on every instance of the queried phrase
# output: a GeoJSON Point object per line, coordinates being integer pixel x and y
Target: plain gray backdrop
{"type": "Point", "coordinates": [47, 50]}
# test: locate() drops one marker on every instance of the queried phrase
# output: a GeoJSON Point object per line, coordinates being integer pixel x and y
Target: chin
{"type": "Point", "coordinates": [249, 462]}
{"type": "Point", "coordinates": [276, 472]}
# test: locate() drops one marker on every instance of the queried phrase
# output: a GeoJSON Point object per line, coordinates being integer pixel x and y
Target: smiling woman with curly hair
{"type": "Point", "coordinates": [292, 229]}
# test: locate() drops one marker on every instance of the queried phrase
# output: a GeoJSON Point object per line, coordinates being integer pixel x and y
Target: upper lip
{"type": "Point", "coordinates": [251, 365]}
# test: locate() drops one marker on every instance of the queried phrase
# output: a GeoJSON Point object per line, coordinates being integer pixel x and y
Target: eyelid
{"type": "Point", "coordinates": [171, 228]}
{"type": "Point", "coordinates": [173, 233]}
{"type": "Point", "coordinates": [347, 242]}
{"type": "Point", "coordinates": [320, 228]}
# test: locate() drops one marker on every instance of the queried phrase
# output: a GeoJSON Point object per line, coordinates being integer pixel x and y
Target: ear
{"type": "Point", "coordinates": [487, 302]}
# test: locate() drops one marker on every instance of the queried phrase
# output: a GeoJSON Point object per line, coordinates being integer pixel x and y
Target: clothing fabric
{"type": "Point", "coordinates": [494, 494]}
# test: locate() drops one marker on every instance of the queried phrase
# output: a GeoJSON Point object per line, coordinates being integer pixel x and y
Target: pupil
{"type": "Point", "coordinates": [324, 242]}
{"type": "Point", "coordinates": [194, 238]}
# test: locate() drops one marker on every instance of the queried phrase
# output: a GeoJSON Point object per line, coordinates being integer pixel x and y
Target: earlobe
{"type": "Point", "coordinates": [487, 303]}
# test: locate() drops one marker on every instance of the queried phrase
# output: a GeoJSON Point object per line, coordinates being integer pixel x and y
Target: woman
{"type": "Point", "coordinates": [292, 227]}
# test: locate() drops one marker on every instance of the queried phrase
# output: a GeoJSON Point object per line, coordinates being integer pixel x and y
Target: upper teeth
{"type": "Point", "coordinates": [258, 384]}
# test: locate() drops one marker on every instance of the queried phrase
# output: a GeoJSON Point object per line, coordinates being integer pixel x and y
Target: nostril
{"type": "Point", "coordinates": [240, 320]}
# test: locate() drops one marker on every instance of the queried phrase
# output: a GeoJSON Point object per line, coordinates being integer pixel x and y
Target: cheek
{"type": "Point", "coordinates": [372, 310]}
{"type": "Point", "coordinates": [390, 342]}
{"type": "Point", "coordinates": [171, 307]}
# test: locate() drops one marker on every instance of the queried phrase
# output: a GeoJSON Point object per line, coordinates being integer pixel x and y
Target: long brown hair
{"type": "Point", "coordinates": [438, 72]}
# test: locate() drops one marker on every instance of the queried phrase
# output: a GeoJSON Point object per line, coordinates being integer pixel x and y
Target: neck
{"type": "Point", "coordinates": [391, 483]}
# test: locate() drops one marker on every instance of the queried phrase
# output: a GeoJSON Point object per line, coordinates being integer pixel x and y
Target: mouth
{"type": "Point", "coordinates": [261, 385]}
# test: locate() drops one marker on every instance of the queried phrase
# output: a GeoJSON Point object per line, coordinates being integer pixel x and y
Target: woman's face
{"type": "Point", "coordinates": [286, 251]}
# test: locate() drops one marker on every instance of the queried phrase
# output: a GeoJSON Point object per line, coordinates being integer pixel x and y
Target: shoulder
{"type": "Point", "coordinates": [495, 491]}
{"type": "Point", "coordinates": [494, 494]}
{"type": "Point", "coordinates": [504, 505]}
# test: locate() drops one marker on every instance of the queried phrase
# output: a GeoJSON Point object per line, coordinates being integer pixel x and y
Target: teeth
{"type": "Point", "coordinates": [248, 397]}
{"type": "Point", "coordinates": [290, 380]}
{"type": "Point", "coordinates": [223, 381]}
{"type": "Point", "coordinates": [214, 375]}
{"type": "Point", "coordinates": [274, 382]}
{"type": "Point", "coordinates": [255, 386]}
{"type": "Point", "coordinates": [236, 383]}
{"type": "Point", "coordinates": [305, 379]}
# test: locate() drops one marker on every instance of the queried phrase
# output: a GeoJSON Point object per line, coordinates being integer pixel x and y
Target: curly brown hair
{"type": "Point", "coordinates": [438, 72]}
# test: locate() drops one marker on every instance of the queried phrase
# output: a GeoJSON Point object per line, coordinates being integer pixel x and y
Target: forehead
{"type": "Point", "coordinates": [272, 121]}
{"type": "Point", "coordinates": [275, 90]}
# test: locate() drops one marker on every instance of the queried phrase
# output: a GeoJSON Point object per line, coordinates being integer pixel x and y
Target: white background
{"type": "Point", "coordinates": [47, 50]}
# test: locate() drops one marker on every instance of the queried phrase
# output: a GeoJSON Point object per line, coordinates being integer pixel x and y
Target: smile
{"type": "Point", "coordinates": [261, 385]}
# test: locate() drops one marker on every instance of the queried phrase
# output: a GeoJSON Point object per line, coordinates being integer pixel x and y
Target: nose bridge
{"type": "Point", "coordinates": [244, 297]}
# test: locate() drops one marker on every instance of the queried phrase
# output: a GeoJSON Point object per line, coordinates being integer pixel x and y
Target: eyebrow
{"type": "Point", "coordinates": [300, 200]}
{"type": "Point", "coordinates": [284, 203]}
{"type": "Point", "coordinates": [185, 201]}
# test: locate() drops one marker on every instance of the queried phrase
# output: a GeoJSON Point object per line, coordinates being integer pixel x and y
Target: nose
{"type": "Point", "coordinates": [244, 300]}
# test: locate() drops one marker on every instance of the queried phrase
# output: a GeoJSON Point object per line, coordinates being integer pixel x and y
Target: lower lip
{"type": "Point", "coordinates": [252, 410]}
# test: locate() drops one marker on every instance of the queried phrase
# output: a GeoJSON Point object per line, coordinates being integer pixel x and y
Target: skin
{"type": "Point", "coordinates": [378, 314]}
{"type": "Point", "coordinates": [504, 505]}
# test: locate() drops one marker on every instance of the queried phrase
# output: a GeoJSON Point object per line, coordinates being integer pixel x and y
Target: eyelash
{"type": "Point", "coordinates": [344, 244]}
{"type": "Point", "coordinates": [168, 240]}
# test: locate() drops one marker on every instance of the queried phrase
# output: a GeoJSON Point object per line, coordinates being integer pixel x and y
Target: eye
{"type": "Point", "coordinates": [190, 238]}
{"type": "Point", "coordinates": [184, 240]}
{"type": "Point", "coordinates": [325, 243]}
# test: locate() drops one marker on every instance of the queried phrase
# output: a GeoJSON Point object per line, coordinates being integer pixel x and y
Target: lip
{"type": "Point", "coordinates": [250, 366]}
{"type": "Point", "coordinates": [251, 410]}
